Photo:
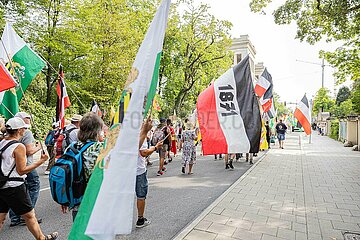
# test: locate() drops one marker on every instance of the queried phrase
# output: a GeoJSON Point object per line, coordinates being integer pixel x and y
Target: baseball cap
{"type": "Point", "coordinates": [16, 123]}
{"type": "Point", "coordinates": [162, 120]}
{"type": "Point", "coordinates": [22, 115]}
{"type": "Point", "coordinates": [76, 118]}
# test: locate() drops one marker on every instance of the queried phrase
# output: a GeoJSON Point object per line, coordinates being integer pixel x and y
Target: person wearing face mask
{"type": "Point", "coordinates": [32, 180]}
{"type": "Point", "coordinates": [14, 167]}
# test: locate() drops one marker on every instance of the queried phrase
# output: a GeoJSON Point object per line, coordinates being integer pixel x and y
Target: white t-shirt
{"type": "Point", "coordinates": [8, 162]}
{"type": "Point", "coordinates": [141, 166]}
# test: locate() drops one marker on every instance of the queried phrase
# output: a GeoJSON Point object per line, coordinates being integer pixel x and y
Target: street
{"type": "Point", "coordinates": [174, 199]}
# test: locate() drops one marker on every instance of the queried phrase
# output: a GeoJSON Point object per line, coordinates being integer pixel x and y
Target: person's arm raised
{"type": "Point", "coordinates": [20, 160]}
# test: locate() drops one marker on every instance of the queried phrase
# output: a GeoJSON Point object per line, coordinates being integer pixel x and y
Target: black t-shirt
{"type": "Point", "coordinates": [166, 132]}
{"type": "Point", "coordinates": [281, 128]}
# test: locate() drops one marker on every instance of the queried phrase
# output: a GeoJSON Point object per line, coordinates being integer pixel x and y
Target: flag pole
{"type": "Point", "coordinates": [23, 93]}
{"type": "Point", "coordinates": [7, 109]}
{"type": "Point", "coordinates": [51, 66]}
{"type": "Point", "coordinates": [310, 110]}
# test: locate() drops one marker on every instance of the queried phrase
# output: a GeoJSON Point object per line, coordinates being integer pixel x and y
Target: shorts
{"type": "Point", "coordinates": [281, 136]}
{"type": "Point", "coordinates": [162, 151]}
{"type": "Point", "coordinates": [16, 198]}
{"type": "Point", "coordinates": [141, 186]}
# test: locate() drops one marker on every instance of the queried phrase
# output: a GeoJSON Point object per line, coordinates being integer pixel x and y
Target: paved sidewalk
{"type": "Point", "coordinates": [307, 191]}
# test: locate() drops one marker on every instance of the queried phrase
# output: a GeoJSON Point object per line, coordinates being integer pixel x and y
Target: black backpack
{"type": "Point", "coordinates": [4, 179]}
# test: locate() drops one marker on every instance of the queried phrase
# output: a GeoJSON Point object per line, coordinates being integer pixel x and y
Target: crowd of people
{"type": "Point", "coordinates": [19, 180]}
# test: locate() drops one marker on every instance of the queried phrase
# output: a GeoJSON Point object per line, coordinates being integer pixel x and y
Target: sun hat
{"type": "Point", "coordinates": [16, 123]}
{"type": "Point", "coordinates": [76, 118]}
{"type": "Point", "coordinates": [22, 115]}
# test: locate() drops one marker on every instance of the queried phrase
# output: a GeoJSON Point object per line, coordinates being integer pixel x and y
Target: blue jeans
{"type": "Point", "coordinates": [33, 187]}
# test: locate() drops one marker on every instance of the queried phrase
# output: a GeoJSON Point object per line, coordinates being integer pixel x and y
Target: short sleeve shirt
{"type": "Point", "coordinates": [141, 166]}
{"type": "Point", "coordinates": [27, 139]}
{"type": "Point", "coordinates": [281, 128]}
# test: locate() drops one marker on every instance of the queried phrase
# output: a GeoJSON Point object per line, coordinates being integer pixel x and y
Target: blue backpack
{"type": "Point", "coordinates": [50, 139]}
{"type": "Point", "coordinates": [67, 177]}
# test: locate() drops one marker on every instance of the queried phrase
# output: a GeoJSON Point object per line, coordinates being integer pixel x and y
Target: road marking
{"type": "Point", "coordinates": [44, 189]}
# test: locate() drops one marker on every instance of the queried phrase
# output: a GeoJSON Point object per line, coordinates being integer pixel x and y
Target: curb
{"type": "Point", "coordinates": [185, 231]}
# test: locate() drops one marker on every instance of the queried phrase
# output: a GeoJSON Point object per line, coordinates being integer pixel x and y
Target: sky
{"type": "Point", "coordinates": [277, 48]}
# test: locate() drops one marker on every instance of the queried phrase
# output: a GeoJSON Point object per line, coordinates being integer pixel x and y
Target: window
{"type": "Point", "coordinates": [238, 58]}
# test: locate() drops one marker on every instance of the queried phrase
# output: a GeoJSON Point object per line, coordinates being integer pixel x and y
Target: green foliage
{"type": "Point", "coordinates": [344, 109]}
{"type": "Point", "coordinates": [195, 53]}
{"type": "Point", "coordinates": [316, 19]}
{"type": "Point", "coordinates": [355, 96]}
{"type": "Point", "coordinates": [322, 101]}
{"type": "Point", "coordinates": [42, 116]}
{"type": "Point", "coordinates": [280, 106]}
{"type": "Point", "coordinates": [334, 129]}
{"type": "Point", "coordinates": [343, 95]}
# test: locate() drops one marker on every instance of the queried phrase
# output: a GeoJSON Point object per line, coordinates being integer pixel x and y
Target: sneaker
{"type": "Point", "coordinates": [251, 162]}
{"type": "Point", "coordinates": [183, 169]}
{"type": "Point", "coordinates": [47, 172]}
{"type": "Point", "coordinates": [164, 169]}
{"type": "Point", "coordinates": [21, 222]}
{"type": "Point", "coordinates": [231, 164]}
{"type": "Point", "coordinates": [159, 173]}
{"type": "Point", "coordinates": [170, 160]}
{"type": "Point", "coordinates": [226, 166]}
{"type": "Point", "coordinates": [165, 162]}
{"type": "Point", "coordinates": [52, 236]}
{"type": "Point", "coordinates": [142, 222]}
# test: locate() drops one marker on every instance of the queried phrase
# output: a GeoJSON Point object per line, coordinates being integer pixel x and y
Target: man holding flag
{"type": "Point", "coordinates": [107, 209]}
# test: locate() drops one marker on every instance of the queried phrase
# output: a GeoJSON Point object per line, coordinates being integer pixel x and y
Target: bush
{"type": "Point", "coordinates": [334, 129]}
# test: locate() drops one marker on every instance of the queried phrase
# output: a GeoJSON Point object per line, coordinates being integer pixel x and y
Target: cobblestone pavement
{"type": "Point", "coordinates": [305, 191]}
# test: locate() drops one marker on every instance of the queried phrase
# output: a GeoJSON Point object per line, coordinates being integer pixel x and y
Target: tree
{"type": "Point", "coordinates": [334, 20]}
{"type": "Point", "coordinates": [322, 101]}
{"type": "Point", "coordinates": [355, 96]}
{"type": "Point", "coordinates": [196, 51]}
{"type": "Point", "coordinates": [280, 106]}
{"type": "Point", "coordinates": [343, 95]}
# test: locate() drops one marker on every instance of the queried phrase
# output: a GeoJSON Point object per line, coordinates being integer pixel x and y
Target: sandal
{"type": "Point", "coordinates": [52, 236]}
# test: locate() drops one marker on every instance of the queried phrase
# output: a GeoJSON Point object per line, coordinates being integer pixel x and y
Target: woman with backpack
{"type": "Point", "coordinates": [88, 147]}
{"type": "Point", "coordinates": [13, 193]}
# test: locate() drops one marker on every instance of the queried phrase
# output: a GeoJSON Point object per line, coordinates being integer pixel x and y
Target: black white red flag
{"type": "Point", "coordinates": [303, 115]}
{"type": "Point", "coordinates": [63, 100]}
{"type": "Point", "coordinates": [229, 114]}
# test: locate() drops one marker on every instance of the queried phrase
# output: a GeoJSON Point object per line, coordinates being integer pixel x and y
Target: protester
{"type": "Point", "coordinates": [280, 130]}
{"type": "Point", "coordinates": [229, 161]}
{"type": "Point", "coordinates": [72, 131]}
{"type": "Point", "coordinates": [173, 140]}
{"type": "Point", "coordinates": [90, 128]}
{"type": "Point", "coordinates": [189, 150]}
{"type": "Point", "coordinates": [32, 179]}
{"type": "Point", "coordinates": [179, 136]}
{"type": "Point", "coordinates": [50, 143]}
{"type": "Point", "coordinates": [14, 164]}
{"type": "Point", "coordinates": [165, 135]}
{"type": "Point", "coordinates": [168, 140]}
{"type": "Point", "coordinates": [249, 156]}
{"type": "Point", "coordinates": [141, 186]}
{"type": "Point", "coordinates": [268, 133]}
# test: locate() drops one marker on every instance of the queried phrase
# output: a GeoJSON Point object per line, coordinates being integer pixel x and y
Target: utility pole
{"type": "Point", "coordinates": [322, 64]}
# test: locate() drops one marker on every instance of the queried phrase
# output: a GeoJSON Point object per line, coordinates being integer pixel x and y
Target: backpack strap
{"type": "Point", "coordinates": [12, 169]}
{"type": "Point", "coordinates": [67, 134]}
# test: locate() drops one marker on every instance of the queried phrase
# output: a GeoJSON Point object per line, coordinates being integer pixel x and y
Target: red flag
{"type": "Point", "coordinates": [6, 80]}
{"type": "Point", "coordinates": [63, 100]}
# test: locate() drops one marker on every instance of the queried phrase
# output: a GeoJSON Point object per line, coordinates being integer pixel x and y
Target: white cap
{"type": "Point", "coordinates": [16, 123]}
{"type": "Point", "coordinates": [76, 118]}
{"type": "Point", "coordinates": [22, 115]}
